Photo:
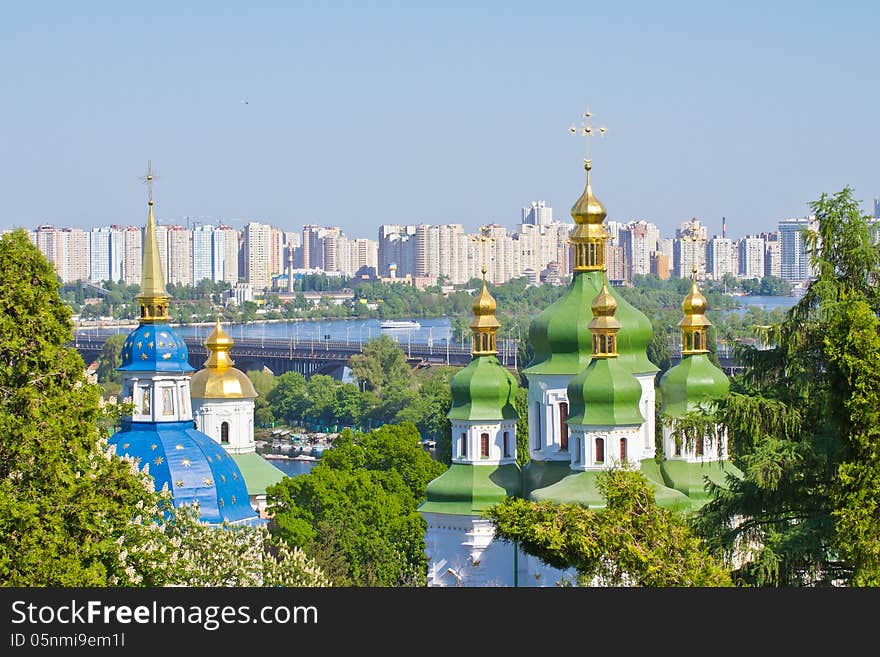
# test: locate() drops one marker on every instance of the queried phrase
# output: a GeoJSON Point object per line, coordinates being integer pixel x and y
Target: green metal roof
{"type": "Point", "coordinates": [484, 390]}
{"type": "Point", "coordinates": [471, 489]}
{"type": "Point", "coordinates": [541, 474]}
{"type": "Point", "coordinates": [563, 343]}
{"type": "Point", "coordinates": [258, 473]}
{"type": "Point", "coordinates": [605, 394]}
{"type": "Point", "coordinates": [692, 381]}
{"type": "Point", "coordinates": [581, 488]}
{"type": "Point", "coordinates": [689, 478]}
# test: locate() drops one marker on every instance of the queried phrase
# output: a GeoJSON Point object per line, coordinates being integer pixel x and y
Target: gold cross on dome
{"type": "Point", "coordinates": [483, 238]}
{"type": "Point", "coordinates": [695, 239]}
{"type": "Point", "coordinates": [586, 131]}
{"type": "Point", "coordinates": [148, 179]}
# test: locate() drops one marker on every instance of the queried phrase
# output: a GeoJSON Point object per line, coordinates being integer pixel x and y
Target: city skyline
{"type": "Point", "coordinates": [356, 117]}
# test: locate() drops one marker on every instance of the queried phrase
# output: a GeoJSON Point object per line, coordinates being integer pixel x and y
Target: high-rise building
{"type": "Point", "coordinates": [133, 254]}
{"type": "Point", "coordinates": [396, 247]}
{"type": "Point", "coordinates": [227, 244]}
{"type": "Point", "coordinates": [75, 245]}
{"type": "Point", "coordinates": [180, 256]}
{"type": "Point", "coordinates": [537, 213]}
{"type": "Point", "coordinates": [794, 265]}
{"type": "Point", "coordinates": [312, 251]}
{"type": "Point", "coordinates": [660, 265]}
{"type": "Point", "coordinates": [720, 258]}
{"type": "Point", "coordinates": [772, 254]}
{"type": "Point", "coordinates": [257, 255]}
{"type": "Point", "coordinates": [277, 253]}
{"type": "Point", "coordinates": [329, 238]}
{"type": "Point", "coordinates": [639, 240]}
{"type": "Point", "coordinates": [877, 207]}
{"type": "Point", "coordinates": [202, 253]}
{"type": "Point", "coordinates": [751, 256]}
{"type": "Point", "coordinates": [162, 240]}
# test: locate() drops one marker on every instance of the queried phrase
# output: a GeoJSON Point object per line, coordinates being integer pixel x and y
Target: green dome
{"type": "Point", "coordinates": [562, 341]}
{"type": "Point", "coordinates": [484, 390]}
{"type": "Point", "coordinates": [694, 380]}
{"type": "Point", "coordinates": [605, 394]}
{"type": "Point", "coordinates": [471, 489]}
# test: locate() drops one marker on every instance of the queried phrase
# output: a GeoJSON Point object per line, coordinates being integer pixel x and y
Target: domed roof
{"type": "Point", "coordinates": [471, 489]}
{"type": "Point", "coordinates": [693, 381]}
{"type": "Point", "coordinates": [154, 348]}
{"type": "Point", "coordinates": [694, 307]}
{"type": "Point", "coordinates": [562, 342]}
{"type": "Point", "coordinates": [605, 394]}
{"type": "Point", "coordinates": [484, 390]}
{"type": "Point", "coordinates": [193, 466]}
{"type": "Point", "coordinates": [484, 307]}
{"type": "Point", "coordinates": [219, 379]}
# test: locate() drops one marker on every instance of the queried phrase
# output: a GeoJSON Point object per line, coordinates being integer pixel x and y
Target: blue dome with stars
{"type": "Point", "coordinates": [193, 466]}
{"type": "Point", "coordinates": [154, 348]}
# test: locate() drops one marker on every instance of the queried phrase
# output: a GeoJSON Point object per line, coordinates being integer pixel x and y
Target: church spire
{"type": "Point", "coordinates": [218, 345]}
{"type": "Point", "coordinates": [604, 325]}
{"type": "Point", "coordinates": [694, 324]}
{"type": "Point", "coordinates": [153, 297]}
{"type": "Point", "coordinates": [484, 324]}
{"type": "Point", "coordinates": [589, 235]}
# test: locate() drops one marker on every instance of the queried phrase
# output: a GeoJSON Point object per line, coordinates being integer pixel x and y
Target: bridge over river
{"type": "Point", "coordinates": [312, 356]}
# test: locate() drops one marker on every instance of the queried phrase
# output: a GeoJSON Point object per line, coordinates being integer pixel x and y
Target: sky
{"type": "Point", "coordinates": [357, 114]}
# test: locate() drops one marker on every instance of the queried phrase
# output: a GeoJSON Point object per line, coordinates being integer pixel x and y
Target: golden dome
{"type": "Point", "coordinates": [694, 306]}
{"type": "Point", "coordinates": [588, 209]}
{"type": "Point", "coordinates": [484, 309]}
{"type": "Point", "coordinates": [604, 306]}
{"type": "Point", "coordinates": [219, 379]}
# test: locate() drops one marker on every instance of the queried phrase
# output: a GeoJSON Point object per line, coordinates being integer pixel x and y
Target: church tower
{"type": "Point", "coordinates": [223, 407]}
{"type": "Point", "coordinates": [459, 543]}
{"type": "Point", "coordinates": [694, 385]}
{"type": "Point", "coordinates": [160, 432]}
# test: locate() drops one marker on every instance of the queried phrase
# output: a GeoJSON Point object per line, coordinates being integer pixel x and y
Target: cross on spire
{"type": "Point", "coordinates": [484, 239]}
{"type": "Point", "coordinates": [587, 130]}
{"type": "Point", "coordinates": [148, 179]}
{"type": "Point", "coordinates": [695, 239]}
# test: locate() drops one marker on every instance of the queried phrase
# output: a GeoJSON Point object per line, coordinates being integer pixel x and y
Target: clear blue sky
{"type": "Point", "coordinates": [362, 113]}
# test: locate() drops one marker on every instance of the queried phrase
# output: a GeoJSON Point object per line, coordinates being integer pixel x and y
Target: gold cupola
{"type": "Point", "coordinates": [484, 324]}
{"type": "Point", "coordinates": [604, 325]}
{"type": "Point", "coordinates": [589, 235]}
{"type": "Point", "coordinates": [694, 323]}
{"type": "Point", "coordinates": [218, 379]}
{"type": "Point", "coordinates": [153, 298]}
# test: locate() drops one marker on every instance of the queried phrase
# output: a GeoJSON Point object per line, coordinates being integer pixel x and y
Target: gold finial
{"type": "Point", "coordinates": [694, 323]}
{"type": "Point", "coordinates": [218, 344]}
{"type": "Point", "coordinates": [484, 324]}
{"type": "Point", "coordinates": [587, 131]}
{"type": "Point", "coordinates": [589, 235]}
{"type": "Point", "coordinates": [695, 239]}
{"type": "Point", "coordinates": [153, 297]}
{"type": "Point", "coordinates": [604, 325]}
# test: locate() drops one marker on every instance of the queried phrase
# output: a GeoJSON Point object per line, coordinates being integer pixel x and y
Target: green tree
{"type": "Point", "coordinates": [63, 502]}
{"type": "Point", "coordinates": [356, 512]}
{"type": "Point", "coordinates": [110, 358]}
{"type": "Point", "coordinates": [802, 422]}
{"type": "Point", "coordinates": [630, 541]}
{"type": "Point", "coordinates": [381, 363]}
{"type": "Point", "coordinates": [288, 397]}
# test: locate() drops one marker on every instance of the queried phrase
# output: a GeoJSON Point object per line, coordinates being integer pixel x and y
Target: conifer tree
{"type": "Point", "coordinates": [803, 424]}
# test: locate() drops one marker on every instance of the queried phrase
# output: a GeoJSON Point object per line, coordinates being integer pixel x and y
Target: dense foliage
{"type": "Point", "coordinates": [803, 425]}
{"type": "Point", "coordinates": [631, 541]}
{"type": "Point", "coordinates": [355, 512]}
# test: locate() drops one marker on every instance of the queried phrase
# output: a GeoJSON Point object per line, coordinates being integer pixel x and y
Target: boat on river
{"type": "Point", "coordinates": [400, 324]}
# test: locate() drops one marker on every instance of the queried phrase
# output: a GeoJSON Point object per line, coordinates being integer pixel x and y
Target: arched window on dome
{"type": "Point", "coordinates": [623, 450]}
{"type": "Point", "coordinates": [563, 426]}
{"type": "Point", "coordinates": [506, 444]}
{"type": "Point", "coordinates": [576, 455]}
{"type": "Point", "coordinates": [224, 433]}
{"type": "Point", "coordinates": [484, 445]}
{"type": "Point", "coordinates": [462, 445]}
{"type": "Point", "coordinates": [600, 450]}
{"type": "Point", "coordinates": [539, 440]}
{"type": "Point", "coordinates": [697, 345]}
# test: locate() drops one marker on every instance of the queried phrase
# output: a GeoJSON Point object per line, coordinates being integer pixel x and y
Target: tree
{"type": "Point", "coordinates": [64, 502]}
{"type": "Point", "coordinates": [802, 423]}
{"type": "Point", "coordinates": [110, 358]}
{"type": "Point", "coordinates": [287, 397]}
{"type": "Point", "coordinates": [381, 363]}
{"type": "Point", "coordinates": [631, 541]}
{"type": "Point", "coordinates": [356, 512]}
